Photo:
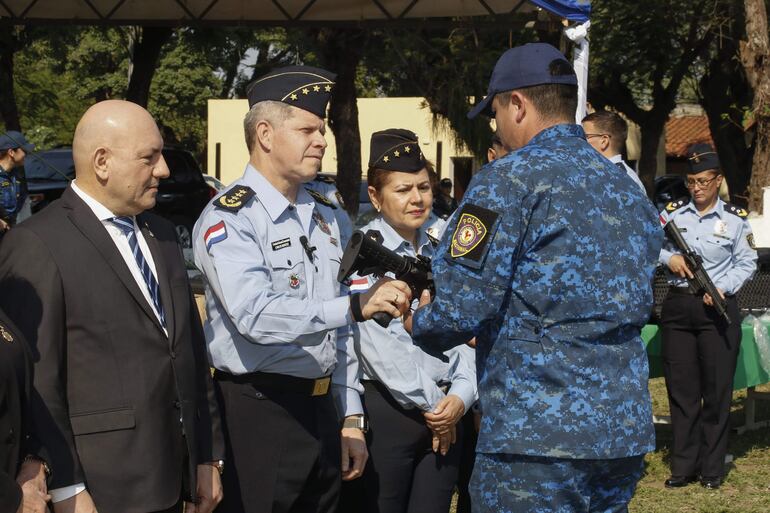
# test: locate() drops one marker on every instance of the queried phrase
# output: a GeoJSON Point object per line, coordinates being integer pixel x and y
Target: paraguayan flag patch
{"type": "Point", "coordinates": [216, 233]}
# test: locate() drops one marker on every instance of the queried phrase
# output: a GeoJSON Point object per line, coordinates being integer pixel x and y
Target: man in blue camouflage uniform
{"type": "Point", "coordinates": [548, 263]}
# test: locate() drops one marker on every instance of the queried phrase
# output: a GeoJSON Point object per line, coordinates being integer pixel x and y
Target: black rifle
{"type": "Point", "coordinates": [700, 281]}
{"type": "Point", "coordinates": [364, 255]}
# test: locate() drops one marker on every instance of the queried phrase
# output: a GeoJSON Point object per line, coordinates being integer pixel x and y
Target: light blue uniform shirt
{"type": "Point", "coordinates": [271, 307]}
{"type": "Point", "coordinates": [388, 355]}
{"type": "Point", "coordinates": [719, 236]}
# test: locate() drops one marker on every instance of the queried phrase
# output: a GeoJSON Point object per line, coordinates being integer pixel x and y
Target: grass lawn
{"type": "Point", "coordinates": [747, 487]}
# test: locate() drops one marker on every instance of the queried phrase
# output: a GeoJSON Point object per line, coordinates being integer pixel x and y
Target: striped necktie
{"type": "Point", "coordinates": [126, 225]}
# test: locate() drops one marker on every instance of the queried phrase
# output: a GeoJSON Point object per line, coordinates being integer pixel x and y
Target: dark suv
{"type": "Point", "coordinates": [181, 197]}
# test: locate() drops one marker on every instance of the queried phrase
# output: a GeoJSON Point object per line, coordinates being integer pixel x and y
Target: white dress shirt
{"type": "Point", "coordinates": [617, 159]}
{"type": "Point", "coordinates": [121, 242]}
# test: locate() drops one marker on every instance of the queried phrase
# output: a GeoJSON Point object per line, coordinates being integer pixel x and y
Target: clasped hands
{"type": "Point", "coordinates": [442, 422]}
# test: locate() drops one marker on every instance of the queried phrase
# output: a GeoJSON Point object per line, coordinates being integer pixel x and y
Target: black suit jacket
{"type": "Point", "coordinates": [112, 385]}
{"type": "Point", "coordinates": [15, 385]}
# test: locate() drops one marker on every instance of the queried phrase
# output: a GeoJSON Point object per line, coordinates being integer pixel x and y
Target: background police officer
{"type": "Point", "coordinates": [699, 350]}
{"type": "Point", "coordinates": [607, 132]}
{"type": "Point", "coordinates": [279, 329]}
{"type": "Point", "coordinates": [13, 148]}
{"type": "Point", "coordinates": [548, 264]}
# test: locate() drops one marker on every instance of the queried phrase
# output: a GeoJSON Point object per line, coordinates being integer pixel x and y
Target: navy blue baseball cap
{"type": "Point", "coordinates": [303, 87]}
{"type": "Point", "coordinates": [525, 66]}
{"type": "Point", "coordinates": [13, 139]}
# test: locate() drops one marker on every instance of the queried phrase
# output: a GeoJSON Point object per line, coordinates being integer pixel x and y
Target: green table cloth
{"type": "Point", "coordinates": [748, 373]}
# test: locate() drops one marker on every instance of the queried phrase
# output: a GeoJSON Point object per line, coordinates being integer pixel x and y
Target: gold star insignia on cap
{"type": "Point", "coordinates": [327, 88]}
{"type": "Point", "coordinates": [386, 159]}
{"type": "Point", "coordinates": [305, 90]}
{"type": "Point", "coordinates": [407, 149]}
{"type": "Point", "coordinates": [316, 88]}
{"type": "Point", "coordinates": [294, 96]}
{"type": "Point", "coordinates": [397, 153]}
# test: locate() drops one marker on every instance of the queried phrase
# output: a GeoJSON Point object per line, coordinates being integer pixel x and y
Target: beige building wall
{"type": "Point", "coordinates": [225, 128]}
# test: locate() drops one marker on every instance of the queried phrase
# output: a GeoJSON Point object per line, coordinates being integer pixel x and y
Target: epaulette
{"type": "Point", "coordinates": [324, 179]}
{"type": "Point", "coordinates": [320, 198]}
{"type": "Point", "coordinates": [235, 199]}
{"type": "Point", "coordinates": [738, 211]}
{"type": "Point", "coordinates": [676, 205]}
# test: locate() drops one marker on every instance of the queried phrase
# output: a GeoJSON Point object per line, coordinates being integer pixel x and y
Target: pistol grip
{"type": "Point", "coordinates": [382, 318]}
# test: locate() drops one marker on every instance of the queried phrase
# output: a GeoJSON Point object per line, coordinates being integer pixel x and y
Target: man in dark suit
{"type": "Point", "coordinates": [126, 413]}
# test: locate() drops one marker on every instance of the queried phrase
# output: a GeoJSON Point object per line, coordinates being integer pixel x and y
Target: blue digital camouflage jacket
{"type": "Point", "coordinates": [548, 263]}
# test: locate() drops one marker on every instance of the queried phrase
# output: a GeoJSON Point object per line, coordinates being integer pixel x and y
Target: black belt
{"type": "Point", "coordinates": [279, 382]}
{"type": "Point", "coordinates": [683, 291]}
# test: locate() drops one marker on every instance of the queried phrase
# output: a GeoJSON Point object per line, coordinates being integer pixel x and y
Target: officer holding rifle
{"type": "Point", "coordinates": [700, 346]}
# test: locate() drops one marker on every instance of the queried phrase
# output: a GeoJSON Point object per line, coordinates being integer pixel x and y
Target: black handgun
{"type": "Point", "coordinates": [364, 255]}
{"type": "Point", "coordinates": [700, 281]}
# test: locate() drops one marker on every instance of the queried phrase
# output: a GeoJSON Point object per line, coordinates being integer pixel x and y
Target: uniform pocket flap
{"type": "Point", "coordinates": [100, 422]}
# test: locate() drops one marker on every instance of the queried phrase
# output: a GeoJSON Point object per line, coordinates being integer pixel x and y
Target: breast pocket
{"type": "Point", "coordinates": [288, 271]}
{"type": "Point", "coordinates": [717, 248]}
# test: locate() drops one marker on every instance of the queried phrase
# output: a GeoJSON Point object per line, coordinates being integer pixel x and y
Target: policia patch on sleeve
{"type": "Point", "coordinates": [750, 240]}
{"type": "Point", "coordinates": [470, 240]}
{"type": "Point", "coordinates": [320, 198]}
{"type": "Point", "coordinates": [235, 199]}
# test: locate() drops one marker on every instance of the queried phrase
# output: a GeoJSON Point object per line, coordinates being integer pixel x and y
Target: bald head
{"type": "Point", "coordinates": [117, 153]}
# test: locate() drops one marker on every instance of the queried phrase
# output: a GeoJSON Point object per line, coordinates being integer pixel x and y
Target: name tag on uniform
{"type": "Point", "coordinates": [280, 244]}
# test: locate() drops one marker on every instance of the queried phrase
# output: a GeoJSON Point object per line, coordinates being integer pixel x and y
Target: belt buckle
{"type": "Point", "coordinates": [321, 386]}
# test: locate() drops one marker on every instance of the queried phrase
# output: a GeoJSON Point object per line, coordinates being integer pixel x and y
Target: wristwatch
{"type": "Point", "coordinates": [356, 421]}
{"type": "Point", "coordinates": [46, 468]}
{"type": "Point", "coordinates": [219, 465]}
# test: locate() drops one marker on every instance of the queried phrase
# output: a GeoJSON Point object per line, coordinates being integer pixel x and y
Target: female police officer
{"type": "Point", "coordinates": [412, 398]}
{"type": "Point", "coordinates": [699, 349]}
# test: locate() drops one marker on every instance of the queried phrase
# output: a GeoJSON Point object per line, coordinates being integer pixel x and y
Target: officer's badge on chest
{"type": "Point", "coordinates": [294, 281]}
{"type": "Point", "coordinates": [321, 222]}
{"type": "Point", "coordinates": [720, 228]}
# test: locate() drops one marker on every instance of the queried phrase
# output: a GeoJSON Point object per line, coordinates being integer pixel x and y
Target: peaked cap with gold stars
{"type": "Point", "coordinates": [702, 157]}
{"type": "Point", "coordinates": [299, 86]}
{"type": "Point", "coordinates": [395, 149]}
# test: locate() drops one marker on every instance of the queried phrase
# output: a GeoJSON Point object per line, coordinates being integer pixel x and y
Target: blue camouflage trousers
{"type": "Point", "coordinates": [514, 483]}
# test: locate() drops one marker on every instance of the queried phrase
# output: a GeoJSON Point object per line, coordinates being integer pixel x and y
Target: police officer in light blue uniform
{"type": "Point", "coordinates": [411, 397]}
{"type": "Point", "coordinates": [279, 327]}
{"type": "Point", "coordinates": [699, 350]}
{"type": "Point", "coordinates": [548, 263]}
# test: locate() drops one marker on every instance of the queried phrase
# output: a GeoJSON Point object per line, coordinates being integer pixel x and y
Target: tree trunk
{"type": "Point", "coordinates": [146, 53]}
{"type": "Point", "coordinates": [341, 50]}
{"type": "Point", "coordinates": [724, 91]}
{"type": "Point", "coordinates": [652, 129]}
{"type": "Point", "coordinates": [755, 56]}
{"type": "Point", "coordinates": [9, 111]}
